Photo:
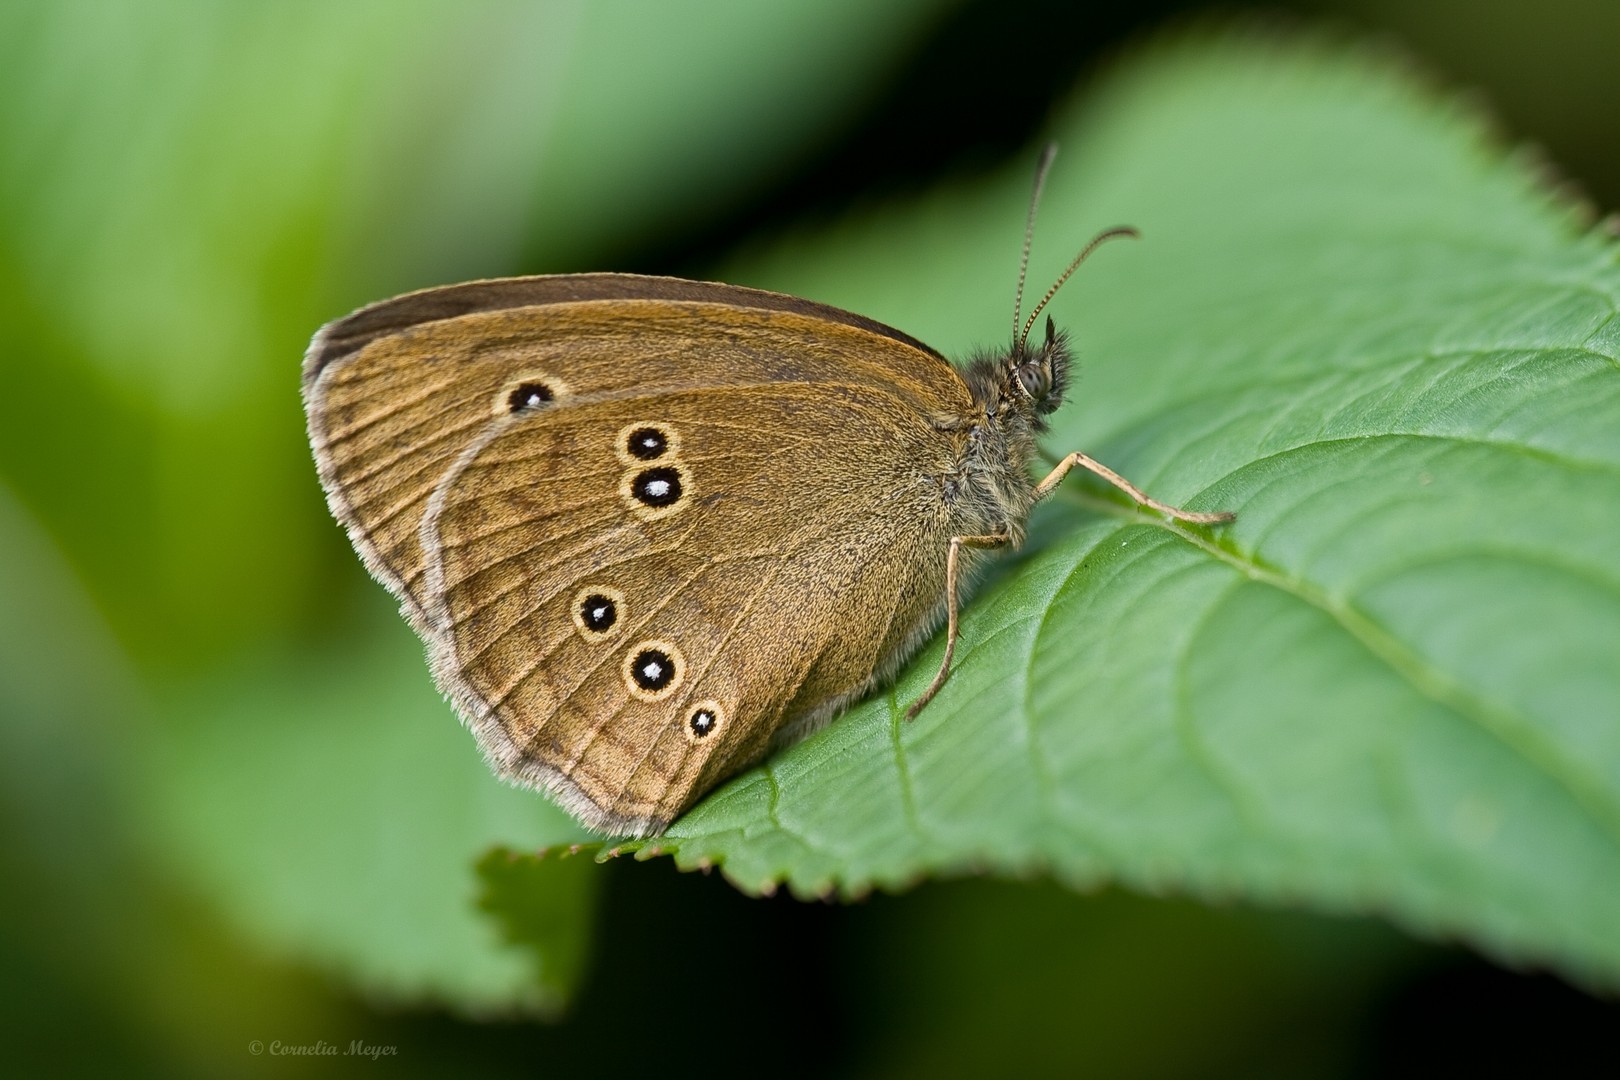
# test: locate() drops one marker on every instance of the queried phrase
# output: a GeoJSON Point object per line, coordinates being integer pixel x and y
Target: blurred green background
{"type": "Point", "coordinates": [187, 190]}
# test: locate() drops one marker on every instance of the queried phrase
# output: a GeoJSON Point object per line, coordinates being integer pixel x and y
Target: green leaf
{"type": "Point", "coordinates": [534, 900]}
{"type": "Point", "coordinates": [338, 815]}
{"type": "Point", "coordinates": [1392, 685]}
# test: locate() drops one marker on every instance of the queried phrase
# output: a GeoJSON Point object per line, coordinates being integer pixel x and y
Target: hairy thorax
{"type": "Point", "coordinates": [988, 487]}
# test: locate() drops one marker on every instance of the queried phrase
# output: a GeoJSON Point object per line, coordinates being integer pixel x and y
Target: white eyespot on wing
{"type": "Point", "coordinates": [657, 491]}
{"type": "Point", "coordinates": [645, 442]}
{"type": "Point", "coordinates": [704, 720]}
{"type": "Point", "coordinates": [528, 393]}
{"type": "Point", "coordinates": [653, 670]}
{"type": "Point", "coordinates": [598, 612]}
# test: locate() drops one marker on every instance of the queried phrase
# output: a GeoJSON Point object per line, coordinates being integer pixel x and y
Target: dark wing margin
{"type": "Point", "coordinates": [348, 335]}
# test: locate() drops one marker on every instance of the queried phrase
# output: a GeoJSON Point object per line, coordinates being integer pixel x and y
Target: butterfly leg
{"type": "Point", "coordinates": [951, 561]}
{"type": "Point", "coordinates": [1055, 477]}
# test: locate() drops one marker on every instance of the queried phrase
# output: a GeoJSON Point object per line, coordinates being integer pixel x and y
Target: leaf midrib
{"type": "Point", "coordinates": [1509, 730]}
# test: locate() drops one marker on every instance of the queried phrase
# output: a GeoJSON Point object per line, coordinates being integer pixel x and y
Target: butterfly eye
{"type": "Point", "coordinates": [653, 670]}
{"type": "Point", "coordinates": [704, 720]}
{"type": "Point", "coordinates": [598, 611]}
{"type": "Point", "coordinates": [1036, 379]}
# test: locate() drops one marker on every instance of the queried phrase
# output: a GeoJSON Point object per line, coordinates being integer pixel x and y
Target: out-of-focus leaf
{"type": "Point", "coordinates": [340, 818]}
{"type": "Point", "coordinates": [532, 896]}
{"type": "Point", "coordinates": [189, 189]}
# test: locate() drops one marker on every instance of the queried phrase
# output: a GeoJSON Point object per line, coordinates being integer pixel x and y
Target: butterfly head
{"type": "Point", "coordinates": [1016, 389]}
{"type": "Point", "coordinates": [1037, 377]}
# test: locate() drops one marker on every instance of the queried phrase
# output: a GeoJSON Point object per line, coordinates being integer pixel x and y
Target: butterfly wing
{"type": "Point", "coordinates": [395, 392]}
{"type": "Point", "coordinates": [716, 524]}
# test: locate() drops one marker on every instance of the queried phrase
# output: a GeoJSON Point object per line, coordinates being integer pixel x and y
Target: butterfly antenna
{"type": "Point", "coordinates": [1045, 164]}
{"type": "Point", "coordinates": [1096, 242]}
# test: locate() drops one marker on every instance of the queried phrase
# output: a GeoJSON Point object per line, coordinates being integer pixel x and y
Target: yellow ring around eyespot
{"type": "Point", "coordinates": [672, 444]}
{"type": "Point", "coordinates": [576, 610]}
{"type": "Point", "coordinates": [719, 725]}
{"type": "Point", "coordinates": [642, 510]}
{"type": "Point", "coordinates": [636, 652]}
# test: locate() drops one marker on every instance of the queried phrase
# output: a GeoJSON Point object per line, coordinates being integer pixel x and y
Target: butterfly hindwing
{"type": "Point", "coordinates": [758, 566]}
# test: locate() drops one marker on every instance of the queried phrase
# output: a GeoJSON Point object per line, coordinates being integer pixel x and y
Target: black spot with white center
{"type": "Point", "coordinates": [703, 721]}
{"type": "Point", "coordinates": [646, 443]}
{"type": "Point", "coordinates": [529, 396]}
{"type": "Point", "coordinates": [653, 669]}
{"type": "Point", "coordinates": [598, 612]}
{"type": "Point", "coordinates": [657, 487]}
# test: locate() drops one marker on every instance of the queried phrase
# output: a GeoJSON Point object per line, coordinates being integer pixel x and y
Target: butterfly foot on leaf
{"type": "Point", "coordinates": [1141, 498]}
{"type": "Point", "coordinates": [952, 561]}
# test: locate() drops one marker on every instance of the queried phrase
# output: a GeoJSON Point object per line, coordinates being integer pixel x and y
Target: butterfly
{"type": "Point", "coordinates": [651, 528]}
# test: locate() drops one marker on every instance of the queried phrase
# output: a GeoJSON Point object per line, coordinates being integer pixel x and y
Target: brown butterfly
{"type": "Point", "coordinates": [650, 528]}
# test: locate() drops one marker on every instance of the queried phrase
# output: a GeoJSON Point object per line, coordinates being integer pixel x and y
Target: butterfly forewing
{"type": "Point", "coordinates": [396, 392]}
